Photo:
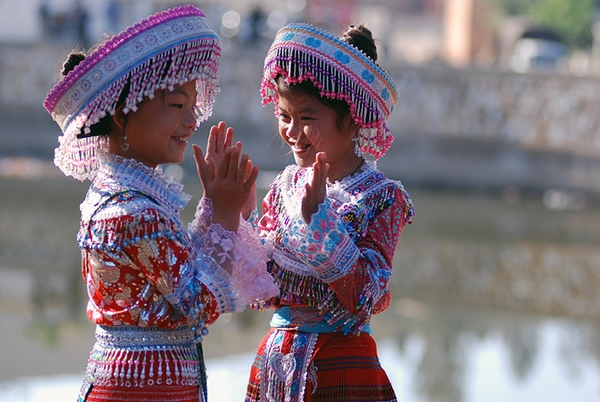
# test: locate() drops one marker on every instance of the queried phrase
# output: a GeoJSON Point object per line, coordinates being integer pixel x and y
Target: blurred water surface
{"type": "Point", "coordinates": [494, 299]}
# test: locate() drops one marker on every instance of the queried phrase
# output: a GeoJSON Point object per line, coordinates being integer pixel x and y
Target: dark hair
{"type": "Point", "coordinates": [73, 60]}
{"type": "Point", "coordinates": [356, 35]}
{"type": "Point", "coordinates": [103, 127]}
{"type": "Point", "coordinates": [361, 38]}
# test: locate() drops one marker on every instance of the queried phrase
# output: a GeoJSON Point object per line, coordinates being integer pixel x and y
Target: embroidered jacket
{"type": "Point", "coordinates": [341, 262]}
{"type": "Point", "coordinates": [154, 286]}
{"type": "Point", "coordinates": [142, 267]}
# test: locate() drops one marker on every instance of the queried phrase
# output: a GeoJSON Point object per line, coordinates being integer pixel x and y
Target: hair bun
{"type": "Point", "coordinates": [361, 38]}
{"type": "Point", "coordinates": [73, 60]}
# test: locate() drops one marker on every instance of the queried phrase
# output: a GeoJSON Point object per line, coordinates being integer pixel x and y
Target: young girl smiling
{"type": "Point", "coordinates": [331, 222]}
{"type": "Point", "coordinates": [153, 285]}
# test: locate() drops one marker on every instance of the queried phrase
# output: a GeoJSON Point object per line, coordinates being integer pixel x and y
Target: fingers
{"type": "Point", "coordinates": [237, 168]}
{"type": "Point", "coordinates": [248, 170]}
{"type": "Point", "coordinates": [316, 188]}
{"type": "Point", "coordinates": [250, 181]}
{"type": "Point", "coordinates": [243, 168]}
{"type": "Point", "coordinates": [228, 135]}
{"type": "Point", "coordinates": [233, 165]}
{"type": "Point", "coordinates": [319, 178]}
{"type": "Point", "coordinates": [220, 138]}
{"type": "Point", "coordinates": [205, 170]}
{"type": "Point", "coordinates": [213, 139]}
{"type": "Point", "coordinates": [199, 157]}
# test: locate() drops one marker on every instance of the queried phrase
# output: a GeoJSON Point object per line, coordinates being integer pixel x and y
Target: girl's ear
{"type": "Point", "coordinates": [119, 118]}
{"type": "Point", "coordinates": [350, 125]}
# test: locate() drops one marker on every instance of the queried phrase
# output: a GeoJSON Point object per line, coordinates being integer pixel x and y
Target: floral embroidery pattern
{"type": "Point", "coordinates": [341, 261]}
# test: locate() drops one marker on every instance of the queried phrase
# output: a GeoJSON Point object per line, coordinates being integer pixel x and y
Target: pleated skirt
{"type": "Point", "coordinates": [172, 393]}
{"type": "Point", "coordinates": [295, 366]}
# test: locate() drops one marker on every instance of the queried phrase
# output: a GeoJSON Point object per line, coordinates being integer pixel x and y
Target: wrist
{"type": "Point", "coordinates": [246, 213]}
{"type": "Point", "coordinates": [229, 221]}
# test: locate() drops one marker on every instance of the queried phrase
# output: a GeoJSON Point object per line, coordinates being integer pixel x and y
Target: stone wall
{"type": "Point", "coordinates": [547, 112]}
{"type": "Point", "coordinates": [454, 127]}
{"type": "Point", "coordinates": [539, 111]}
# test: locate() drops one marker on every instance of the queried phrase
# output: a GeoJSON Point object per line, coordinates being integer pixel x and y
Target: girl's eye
{"type": "Point", "coordinates": [178, 105]}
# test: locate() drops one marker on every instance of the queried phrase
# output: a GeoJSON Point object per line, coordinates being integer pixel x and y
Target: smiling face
{"type": "Point", "coordinates": [308, 126]}
{"type": "Point", "coordinates": [159, 130]}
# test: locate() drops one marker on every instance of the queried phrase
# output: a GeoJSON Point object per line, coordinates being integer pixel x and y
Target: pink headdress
{"type": "Point", "coordinates": [340, 71]}
{"type": "Point", "coordinates": [167, 49]}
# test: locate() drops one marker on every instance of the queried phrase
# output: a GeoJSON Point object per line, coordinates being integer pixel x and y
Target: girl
{"type": "Point", "coordinates": [154, 286]}
{"type": "Point", "coordinates": [331, 222]}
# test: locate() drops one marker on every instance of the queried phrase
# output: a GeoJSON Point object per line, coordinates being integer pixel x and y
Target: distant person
{"type": "Point", "coordinates": [80, 19]}
{"type": "Point", "coordinates": [153, 285]}
{"type": "Point", "coordinates": [113, 14]}
{"type": "Point", "coordinates": [46, 16]}
{"type": "Point", "coordinates": [331, 222]}
{"type": "Point", "coordinates": [257, 21]}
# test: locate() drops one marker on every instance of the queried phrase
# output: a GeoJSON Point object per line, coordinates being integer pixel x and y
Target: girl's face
{"type": "Point", "coordinates": [159, 130]}
{"type": "Point", "coordinates": [308, 126]}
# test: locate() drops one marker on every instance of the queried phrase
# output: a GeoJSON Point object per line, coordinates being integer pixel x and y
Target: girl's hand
{"type": "Point", "coordinates": [316, 190]}
{"type": "Point", "coordinates": [250, 204]}
{"type": "Point", "coordinates": [228, 184]}
{"type": "Point", "coordinates": [220, 138]}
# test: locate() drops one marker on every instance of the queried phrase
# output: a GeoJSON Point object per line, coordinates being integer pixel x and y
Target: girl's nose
{"type": "Point", "coordinates": [292, 130]}
{"type": "Point", "coordinates": [190, 118]}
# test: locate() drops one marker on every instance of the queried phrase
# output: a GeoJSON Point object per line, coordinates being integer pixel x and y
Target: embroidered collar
{"type": "Point", "coordinates": [117, 173]}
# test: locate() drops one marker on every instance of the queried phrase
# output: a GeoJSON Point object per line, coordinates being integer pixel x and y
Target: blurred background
{"type": "Point", "coordinates": [497, 138]}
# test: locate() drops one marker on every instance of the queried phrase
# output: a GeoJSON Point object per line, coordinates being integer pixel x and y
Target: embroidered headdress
{"type": "Point", "coordinates": [340, 71]}
{"type": "Point", "coordinates": [166, 49]}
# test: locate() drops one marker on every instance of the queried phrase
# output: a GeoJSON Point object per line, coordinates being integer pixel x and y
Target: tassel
{"type": "Point", "coordinates": [202, 372]}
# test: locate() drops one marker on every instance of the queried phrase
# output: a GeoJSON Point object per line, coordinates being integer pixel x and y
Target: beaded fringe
{"type": "Point", "coordinates": [142, 357]}
{"type": "Point", "coordinates": [295, 288]}
{"type": "Point", "coordinates": [198, 60]}
{"type": "Point", "coordinates": [302, 59]}
{"type": "Point", "coordinates": [167, 49]}
{"type": "Point", "coordinates": [302, 290]}
{"type": "Point", "coordinates": [131, 368]}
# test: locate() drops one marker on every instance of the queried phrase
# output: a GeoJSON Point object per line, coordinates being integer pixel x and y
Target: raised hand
{"type": "Point", "coordinates": [220, 138]}
{"type": "Point", "coordinates": [316, 190]}
{"type": "Point", "coordinates": [228, 184]}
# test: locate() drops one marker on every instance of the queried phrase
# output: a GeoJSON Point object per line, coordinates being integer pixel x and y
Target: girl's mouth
{"type": "Point", "coordinates": [300, 147]}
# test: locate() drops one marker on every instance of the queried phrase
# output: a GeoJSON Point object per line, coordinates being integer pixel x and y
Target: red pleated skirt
{"type": "Point", "coordinates": [154, 393]}
{"type": "Point", "coordinates": [331, 367]}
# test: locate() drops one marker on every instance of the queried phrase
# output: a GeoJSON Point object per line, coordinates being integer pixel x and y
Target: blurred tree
{"type": "Point", "coordinates": [514, 7]}
{"type": "Point", "coordinates": [572, 20]}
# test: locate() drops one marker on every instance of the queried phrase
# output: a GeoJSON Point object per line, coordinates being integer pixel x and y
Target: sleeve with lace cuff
{"type": "Point", "coordinates": [240, 258]}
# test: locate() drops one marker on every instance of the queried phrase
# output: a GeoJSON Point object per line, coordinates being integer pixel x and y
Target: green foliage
{"type": "Point", "coordinates": [514, 7]}
{"type": "Point", "coordinates": [571, 19]}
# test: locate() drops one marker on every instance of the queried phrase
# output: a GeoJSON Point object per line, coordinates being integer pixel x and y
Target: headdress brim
{"type": "Point", "coordinates": [166, 49]}
{"type": "Point", "coordinates": [340, 71]}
